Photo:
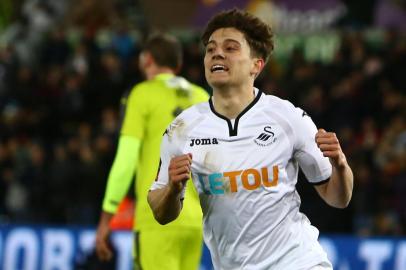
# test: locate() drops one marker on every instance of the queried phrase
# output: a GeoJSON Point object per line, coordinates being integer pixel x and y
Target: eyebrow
{"type": "Point", "coordinates": [226, 40]}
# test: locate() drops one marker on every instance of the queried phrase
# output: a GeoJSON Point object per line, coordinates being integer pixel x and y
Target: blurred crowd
{"type": "Point", "coordinates": [360, 95]}
{"type": "Point", "coordinates": [60, 97]}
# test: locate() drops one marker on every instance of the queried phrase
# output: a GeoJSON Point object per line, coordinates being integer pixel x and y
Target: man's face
{"type": "Point", "coordinates": [228, 60]}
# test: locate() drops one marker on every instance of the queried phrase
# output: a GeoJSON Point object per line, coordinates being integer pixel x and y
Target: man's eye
{"type": "Point", "coordinates": [231, 48]}
{"type": "Point", "coordinates": [209, 50]}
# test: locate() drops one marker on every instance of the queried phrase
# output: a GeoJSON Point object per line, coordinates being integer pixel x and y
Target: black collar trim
{"type": "Point", "coordinates": [233, 130]}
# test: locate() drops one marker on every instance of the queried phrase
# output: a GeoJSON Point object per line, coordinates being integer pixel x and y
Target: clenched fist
{"type": "Point", "coordinates": [179, 171]}
{"type": "Point", "coordinates": [330, 147]}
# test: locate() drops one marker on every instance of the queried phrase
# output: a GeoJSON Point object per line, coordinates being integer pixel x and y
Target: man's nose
{"type": "Point", "coordinates": [218, 54]}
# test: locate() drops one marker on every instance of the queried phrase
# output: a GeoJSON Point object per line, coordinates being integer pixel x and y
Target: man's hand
{"type": "Point", "coordinates": [338, 191]}
{"type": "Point", "coordinates": [330, 146]}
{"type": "Point", "coordinates": [103, 248]}
{"type": "Point", "coordinates": [166, 202]}
{"type": "Point", "coordinates": [179, 172]}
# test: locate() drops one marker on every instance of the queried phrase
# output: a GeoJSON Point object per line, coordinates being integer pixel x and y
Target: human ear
{"type": "Point", "coordinates": [258, 66]}
{"type": "Point", "coordinates": [149, 59]}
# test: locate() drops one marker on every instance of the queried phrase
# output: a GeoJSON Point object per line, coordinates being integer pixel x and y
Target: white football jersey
{"type": "Point", "coordinates": [245, 171]}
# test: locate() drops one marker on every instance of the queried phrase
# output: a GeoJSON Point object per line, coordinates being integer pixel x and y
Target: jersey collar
{"type": "Point", "coordinates": [233, 130]}
{"type": "Point", "coordinates": [164, 76]}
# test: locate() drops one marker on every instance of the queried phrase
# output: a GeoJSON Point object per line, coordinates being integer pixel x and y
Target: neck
{"type": "Point", "coordinates": [155, 70]}
{"type": "Point", "coordinates": [231, 102]}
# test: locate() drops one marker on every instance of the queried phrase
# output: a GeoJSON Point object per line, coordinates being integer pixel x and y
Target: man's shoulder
{"type": "Point", "coordinates": [146, 85]}
{"type": "Point", "coordinates": [197, 91]}
{"type": "Point", "coordinates": [276, 104]}
{"type": "Point", "coordinates": [195, 111]}
{"type": "Point", "coordinates": [141, 88]}
{"type": "Point", "coordinates": [284, 110]}
{"type": "Point", "coordinates": [189, 118]}
{"type": "Point", "coordinates": [146, 90]}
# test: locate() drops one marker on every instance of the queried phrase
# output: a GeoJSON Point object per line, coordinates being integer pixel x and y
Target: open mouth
{"type": "Point", "coordinates": [218, 68]}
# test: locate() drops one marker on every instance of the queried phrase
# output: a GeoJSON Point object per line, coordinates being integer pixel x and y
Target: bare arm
{"type": "Point", "coordinates": [103, 248]}
{"type": "Point", "coordinates": [119, 180]}
{"type": "Point", "coordinates": [338, 191]}
{"type": "Point", "coordinates": [166, 203]}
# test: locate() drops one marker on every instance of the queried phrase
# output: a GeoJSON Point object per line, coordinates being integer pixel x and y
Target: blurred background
{"type": "Point", "coordinates": [65, 64]}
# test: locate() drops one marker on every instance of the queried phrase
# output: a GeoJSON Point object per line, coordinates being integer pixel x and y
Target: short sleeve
{"type": "Point", "coordinates": [168, 150]}
{"type": "Point", "coordinates": [135, 114]}
{"type": "Point", "coordinates": [314, 165]}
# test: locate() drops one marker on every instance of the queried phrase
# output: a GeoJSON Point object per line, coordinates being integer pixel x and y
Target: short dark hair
{"type": "Point", "coordinates": [258, 34]}
{"type": "Point", "coordinates": [165, 49]}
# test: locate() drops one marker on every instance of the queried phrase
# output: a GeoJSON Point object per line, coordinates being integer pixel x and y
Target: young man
{"type": "Point", "coordinates": [243, 150]}
{"type": "Point", "coordinates": [151, 106]}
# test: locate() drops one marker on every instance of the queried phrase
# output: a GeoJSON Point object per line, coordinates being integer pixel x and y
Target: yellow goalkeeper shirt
{"type": "Point", "coordinates": [150, 108]}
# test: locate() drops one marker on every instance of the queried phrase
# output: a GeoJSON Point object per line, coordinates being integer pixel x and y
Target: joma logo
{"type": "Point", "coordinates": [204, 141]}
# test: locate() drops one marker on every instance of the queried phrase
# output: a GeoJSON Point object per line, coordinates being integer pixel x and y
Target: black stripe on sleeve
{"type": "Point", "coordinates": [159, 169]}
{"type": "Point", "coordinates": [114, 202]}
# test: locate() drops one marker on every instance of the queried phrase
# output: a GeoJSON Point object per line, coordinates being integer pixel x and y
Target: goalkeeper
{"type": "Point", "coordinates": [150, 107]}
